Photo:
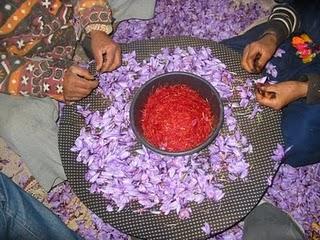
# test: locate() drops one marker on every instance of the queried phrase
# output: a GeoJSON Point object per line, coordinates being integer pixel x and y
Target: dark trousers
{"type": "Point", "coordinates": [300, 122]}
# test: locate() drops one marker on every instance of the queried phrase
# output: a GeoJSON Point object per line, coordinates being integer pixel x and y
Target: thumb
{"type": "Point", "coordinates": [262, 61]}
{"type": "Point", "coordinates": [82, 72]}
{"type": "Point", "coordinates": [265, 100]}
{"type": "Point", "coordinates": [269, 88]}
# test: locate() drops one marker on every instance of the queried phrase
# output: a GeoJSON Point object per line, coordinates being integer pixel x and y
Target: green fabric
{"type": "Point", "coordinates": [128, 9]}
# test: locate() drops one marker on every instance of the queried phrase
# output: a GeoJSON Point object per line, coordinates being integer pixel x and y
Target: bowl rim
{"type": "Point", "coordinates": [191, 151]}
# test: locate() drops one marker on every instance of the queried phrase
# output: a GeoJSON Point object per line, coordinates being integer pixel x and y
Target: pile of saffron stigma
{"type": "Point", "coordinates": [176, 118]}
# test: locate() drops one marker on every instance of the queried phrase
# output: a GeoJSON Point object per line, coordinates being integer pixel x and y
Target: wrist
{"type": "Point", "coordinates": [97, 33]}
{"type": "Point", "coordinates": [302, 89]}
{"type": "Point", "coordinates": [270, 38]}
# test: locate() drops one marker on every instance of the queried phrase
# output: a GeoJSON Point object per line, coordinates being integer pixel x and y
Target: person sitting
{"type": "Point", "coordinates": [38, 40]}
{"type": "Point", "coordinates": [24, 217]}
{"type": "Point", "coordinates": [297, 91]}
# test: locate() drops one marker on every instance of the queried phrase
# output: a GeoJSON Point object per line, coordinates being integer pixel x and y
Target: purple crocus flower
{"type": "Point", "coordinates": [271, 69]}
{"type": "Point", "coordinates": [279, 152]}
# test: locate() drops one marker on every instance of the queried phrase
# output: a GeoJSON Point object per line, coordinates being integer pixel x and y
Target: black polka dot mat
{"type": "Point", "coordinates": [240, 197]}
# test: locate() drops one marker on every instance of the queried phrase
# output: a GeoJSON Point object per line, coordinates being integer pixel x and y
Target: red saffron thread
{"type": "Point", "coordinates": [176, 118]}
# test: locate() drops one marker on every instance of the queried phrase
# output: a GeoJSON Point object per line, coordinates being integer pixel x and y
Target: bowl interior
{"type": "Point", "coordinates": [203, 87]}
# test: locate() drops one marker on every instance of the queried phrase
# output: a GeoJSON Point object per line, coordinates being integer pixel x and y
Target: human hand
{"type": "Point", "coordinates": [77, 84]}
{"type": "Point", "coordinates": [258, 53]}
{"type": "Point", "coordinates": [281, 94]}
{"type": "Point", "coordinates": [106, 52]}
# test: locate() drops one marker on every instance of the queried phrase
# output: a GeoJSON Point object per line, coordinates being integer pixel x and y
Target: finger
{"type": "Point", "coordinates": [252, 59]}
{"type": "Point", "coordinates": [259, 90]}
{"type": "Point", "coordinates": [108, 61]}
{"type": "Point", "coordinates": [117, 60]}
{"type": "Point", "coordinates": [99, 59]}
{"type": "Point", "coordinates": [264, 100]}
{"type": "Point", "coordinates": [267, 91]}
{"type": "Point", "coordinates": [257, 68]}
{"type": "Point", "coordinates": [86, 84]}
{"type": "Point", "coordinates": [82, 72]}
{"type": "Point", "coordinates": [259, 96]}
{"type": "Point", "coordinates": [244, 59]}
{"type": "Point", "coordinates": [76, 99]}
{"type": "Point", "coordinates": [70, 99]}
{"type": "Point", "coordinates": [70, 102]}
{"type": "Point", "coordinates": [269, 88]}
{"type": "Point", "coordinates": [270, 95]}
{"type": "Point", "coordinates": [262, 61]}
{"type": "Point", "coordinates": [76, 94]}
{"type": "Point", "coordinates": [81, 92]}
{"type": "Point", "coordinates": [269, 100]}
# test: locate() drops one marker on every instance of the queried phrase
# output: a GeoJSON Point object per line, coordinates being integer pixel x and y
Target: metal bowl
{"type": "Point", "coordinates": [202, 86]}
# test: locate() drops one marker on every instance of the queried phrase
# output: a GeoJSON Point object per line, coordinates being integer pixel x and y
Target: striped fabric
{"type": "Point", "coordinates": [285, 14]}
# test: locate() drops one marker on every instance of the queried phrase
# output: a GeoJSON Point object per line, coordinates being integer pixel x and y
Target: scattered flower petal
{"type": "Point", "coordinates": [206, 228]}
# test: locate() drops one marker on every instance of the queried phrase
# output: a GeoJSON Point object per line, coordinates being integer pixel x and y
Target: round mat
{"type": "Point", "coordinates": [240, 196]}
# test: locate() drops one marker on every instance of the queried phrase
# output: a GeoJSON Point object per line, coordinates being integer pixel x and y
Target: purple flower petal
{"type": "Point", "coordinates": [279, 53]}
{"type": "Point", "coordinates": [209, 19]}
{"type": "Point", "coordinates": [271, 69]}
{"type": "Point", "coordinates": [105, 143]}
{"type": "Point", "coordinates": [206, 228]}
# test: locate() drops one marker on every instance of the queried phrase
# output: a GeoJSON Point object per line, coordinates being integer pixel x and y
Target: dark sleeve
{"type": "Point", "coordinates": [313, 94]}
{"type": "Point", "coordinates": [283, 21]}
